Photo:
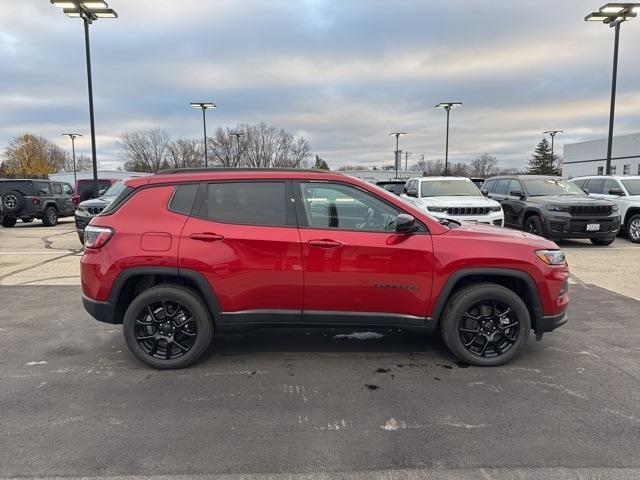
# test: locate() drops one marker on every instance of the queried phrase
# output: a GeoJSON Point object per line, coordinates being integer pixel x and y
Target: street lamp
{"type": "Point", "coordinates": [613, 14]}
{"type": "Point", "coordinates": [204, 106]}
{"type": "Point", "coordinates": [89, 11]}
{"type": "Point", "coordinates": [406, 160]}
{"type": "Point", "coordinates": [447, 106]}
{"type": "Point", "coordinates": [552, 134]}
{"type": "Point", "coordinates": [73, 137]}
{"type": "Point", "coordinates": [397, 152]}
{"type": "Point", "coordinates": [237, 135]}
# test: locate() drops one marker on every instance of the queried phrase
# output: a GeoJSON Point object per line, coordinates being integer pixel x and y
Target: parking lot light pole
{"type": "Point", "coordinates": [613, 14]}
{"type": "Point", "coordinates": [89, 11]}
{"type": "Point", "coordinates": [552, 134]}
{"type": "Point", "coordinates": [447, 106]}
{"type": "Point", "coordinates": [73, 137]}
{"type": "Point", "coordinates": [237, 135]}
{"type": "Point", "coordinates": [397, 152]}
{"type": "Point", "coordinates": [204, 106]}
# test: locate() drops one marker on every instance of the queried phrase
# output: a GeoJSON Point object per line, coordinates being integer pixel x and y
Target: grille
{"type": "Point", "coordinates": [591, 210]}
{"type": "Point", "coordinates": [94, 210]}
{"type": "Point", "coordinates": [468, 210]}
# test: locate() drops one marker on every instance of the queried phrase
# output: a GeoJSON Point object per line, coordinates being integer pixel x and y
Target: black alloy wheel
{"type": "Point", "coordinates": [533, 225]}
{"type": "Point", "coordinates": [485, 324]}
{"type": "Point", "coordinates": [167, 326]}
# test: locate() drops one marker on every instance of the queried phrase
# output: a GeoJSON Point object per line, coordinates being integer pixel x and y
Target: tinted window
{"type": "Point", "coordinates": [515, 185]}
{"type": "Point", "coordinates": [87, 185]}
{"type": "Point", "coordinates": [57, 189]}
{"type": "Point", "coordinates": [595, 185]}
{"type": "Point", "coordinates": [252, 203]}
{"type": "Point", "coordinates": [392, 187]}
{"type": "Point", "coordinates": [610, 185]}
{"type": "Point", "coordinates": [502, 186]}
{"type": "Point", "coordinates": [44, 188]}
{"type": "Point", "coordinates": [346, 208]}
{"type": "Point", "coordinates": [24, 187]}
{"type": "Point", "coordinates": [580, 182]}
{"type": "Point", "coordinates": [183, 197]}
{"type": "Point", "coordinates": [488, 185]}
{"type": "Point", "coordinates": [632, 186]}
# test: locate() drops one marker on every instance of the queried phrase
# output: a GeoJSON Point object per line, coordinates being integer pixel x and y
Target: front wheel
{"type": "Point", "coordinates": [602, 242]}
{"type": "Point", "coordinates": [533, 225]}
{"type": "Point", "coordinates": [50, 217]}
{"type": "Point", "coordinates": [8, 222]}
{"type": "Point", "coordinates": [167, 327]}
{"type": "Point", "coordinates": [633, 229]}
{"type": "Point", "coordinates": [486, 325]}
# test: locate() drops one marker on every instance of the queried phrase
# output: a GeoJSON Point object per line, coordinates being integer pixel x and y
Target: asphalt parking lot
{"type": "Point", "coordinates": [271, 404]}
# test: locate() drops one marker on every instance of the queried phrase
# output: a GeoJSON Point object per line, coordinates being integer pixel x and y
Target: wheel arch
{"type": "Point", "coordinates": [529, 212]}
{"type": "Point", "coordinates": [631, 211]}
{"type": "Point", "coordinates": [133, 281]}
{"type": "Point", "coordinates": [517, 281]}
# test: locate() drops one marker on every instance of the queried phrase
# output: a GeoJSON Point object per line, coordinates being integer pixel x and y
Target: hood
{"type": "Point", "coordinates": [458, 201]}
{"type": "Point", "coordinates": [507, 235]}
{"type": "Point", "coordinates": [570, 200]}
{"type": "Point", "coordinates": [97, 202]}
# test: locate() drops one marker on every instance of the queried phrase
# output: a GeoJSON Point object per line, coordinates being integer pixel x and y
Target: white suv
{"type": "Point", "coordinates": [624, 191]}
{"type": "Point", "coordinates": [454, 198]}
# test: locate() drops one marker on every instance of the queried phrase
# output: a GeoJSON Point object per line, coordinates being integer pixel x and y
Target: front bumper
{"type": "Point", "coordinates": [81, 222]}
{"type": "Point", "coordinates": [563, 225]}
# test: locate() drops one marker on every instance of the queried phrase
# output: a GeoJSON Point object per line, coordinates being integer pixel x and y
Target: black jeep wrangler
{"type": "Point", "coordinates": [29, 199]}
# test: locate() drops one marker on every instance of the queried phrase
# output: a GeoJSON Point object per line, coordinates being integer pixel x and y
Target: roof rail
{"type": "Point", "coordinates": [238, 169]}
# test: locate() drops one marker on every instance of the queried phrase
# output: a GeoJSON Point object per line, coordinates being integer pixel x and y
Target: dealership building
{"type": "Point", "coordinates": [589, 158]}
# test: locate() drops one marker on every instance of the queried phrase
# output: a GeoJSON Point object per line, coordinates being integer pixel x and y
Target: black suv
{"type": "Point", "coordinates": [553, 208]}
{"type": "Point", "coordinates": [29, 199]}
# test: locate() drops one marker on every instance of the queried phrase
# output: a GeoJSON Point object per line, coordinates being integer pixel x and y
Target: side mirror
{"type": "Point", "coordinates": [586, 190]}
{"type": "Point", "coordinates": [516, 193]}
{"type": "Point", "coordinates": [406, 223]}
{"type": "Point", "coordinates": [484, 192]}
{"type": "Point", "coordinates": [616, 191]}
{"type": "Point", "coordinates": [412, 193]}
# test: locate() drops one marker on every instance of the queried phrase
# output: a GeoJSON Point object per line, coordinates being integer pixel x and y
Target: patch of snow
{"type": "Point", "coordinates": [359, 336]}
{"type": "Point", "coordinates": [41, 362]}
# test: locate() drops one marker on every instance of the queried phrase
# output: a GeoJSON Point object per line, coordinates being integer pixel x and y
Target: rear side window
{"type": "Point", "coordinates": [250, 203]}
{"type": "Point", "coordinates": [183, 197]}
{"type": "Point", "coordinates": [44, 188]}
{"type": "Point", "coordinates": [595, 185]}
{"type": "Point", "coordinates": [610, 184]}
{"type": "Point", "coordinates": [119, 200]}
{"type": "Point", "coordinates": [502, 186]}
{"type": "Point", "coordinates": [25, 187]}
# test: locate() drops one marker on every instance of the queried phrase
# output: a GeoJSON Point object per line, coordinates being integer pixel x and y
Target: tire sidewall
{"type": "Point", "coordinates": [635, 217]}
{"type": "Point", "coordinates": [535, 220]}
{"type": "Point", "coordinates": [187, 298]}
{"type": "Point", "coordinates": [46, 220]}
{"type": "Point", "coordinates": [461, 302]}
{"type": "Point", "coordinates": [19, 202]}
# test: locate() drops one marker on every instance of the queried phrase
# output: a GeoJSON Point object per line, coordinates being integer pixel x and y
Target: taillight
{"type": "Point", "coordinates": [96, 237]}
{"type": "Point", "coordinates": [35, 201]}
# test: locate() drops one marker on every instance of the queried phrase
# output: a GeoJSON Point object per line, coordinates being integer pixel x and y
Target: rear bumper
{"type": "Point", "coordinates": [551, 322]}
{"type": "Point", "coordinates": [101, 311]}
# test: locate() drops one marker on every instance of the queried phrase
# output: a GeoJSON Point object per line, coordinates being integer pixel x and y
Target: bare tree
{"type": "Point", "coordinates": [185, 153]}
{"type": "Point", "coordinates": [145, 150]}
{"type": "Point", "coordinates": [484, 166]}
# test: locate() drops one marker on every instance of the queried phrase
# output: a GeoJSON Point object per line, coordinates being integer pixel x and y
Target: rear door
{"type": "Point", "coordinates": [357, 269]}
{"type": "Point", "coordinates": [242, 236]}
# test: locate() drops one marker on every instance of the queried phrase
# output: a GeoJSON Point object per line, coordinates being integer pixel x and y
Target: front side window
{"type": "Point", "coordinates": [580, 182]}
{"type": "Point", "coordinates": [515, 185]}
{"type": "Point", "coordinates": [488, 185]}
{"type": "Point", "coordinates": [455, 188]}
{"type": "Point", "coordinates": [57, 189]}
{"type": "Point", "coordinates": [610, 184]}
{"type": "Point", "coordinates": [250, 203]}
{"type": "Point", "coordinates": [343, 207]}
{"type": "Point", "coordinates": [502, 186]}
{"type": "Point", "coordinates": [595, 185]}
{"type": "Point", "coordinates": [632, 185]}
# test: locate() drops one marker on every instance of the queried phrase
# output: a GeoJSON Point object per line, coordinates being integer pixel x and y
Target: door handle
{"type": "Point", "coordinates": [206, 237]}
{"type": "Point", "coordinates": [325, 243]}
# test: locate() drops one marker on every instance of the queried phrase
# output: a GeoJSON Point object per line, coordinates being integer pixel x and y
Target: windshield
{"type": "Point", "coordinates": [114, 190]}
{"type": "Point", "coordinates": [393, 187]}
{"type": "Point", "coordinates": [632, 186]}
{"type": "Point", "coordinates": [456, 188]}
{"type": "Point", "coordinates": [549, 186]}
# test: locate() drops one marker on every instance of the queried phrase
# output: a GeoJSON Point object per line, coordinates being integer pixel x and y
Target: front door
{"type": "Point", "coordinates": [356, 268]}
{"type": "Point", "coordinates": [243, 237]}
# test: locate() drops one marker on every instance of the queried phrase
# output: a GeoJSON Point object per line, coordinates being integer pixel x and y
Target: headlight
{"type": "Point", "coordinates": [614, 208]}
{"type": "Point", "coordinates": [436, 209]}
{"type": "Point", "coordinates": [551, 257]}
{"type": "Point", "coordinates": [558, 208]}
{"type": "Point", "coordinates": [496, 208]}
{"type": "Point", "coordinates": [81, 209]}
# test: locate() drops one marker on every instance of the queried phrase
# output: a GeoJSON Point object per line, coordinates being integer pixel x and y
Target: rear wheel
{"type": "Point", "coordinates": [603, 242]}
{"type": "Point", "coordinates": [167, 327]}
{"type": "Point", "coordinates": [533, 225]}
{"type": "Point", "coordinates": [50, 217]}
{"type": "Point", "coordinates": [8, 222]}
{"type": "Point", "coordinates": [633, 228]}
{"type": "Point", "coordinates": [486, 325]}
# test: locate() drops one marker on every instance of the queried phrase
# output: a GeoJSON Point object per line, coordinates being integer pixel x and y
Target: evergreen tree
{"type": "Point", "coordinates": [543, 162]}
{"type": "Point", "coordinates": [321, 164]}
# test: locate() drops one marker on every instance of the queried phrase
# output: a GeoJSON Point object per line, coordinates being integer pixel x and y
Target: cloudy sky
{"type": "Point", "coordinates": [342, 73]}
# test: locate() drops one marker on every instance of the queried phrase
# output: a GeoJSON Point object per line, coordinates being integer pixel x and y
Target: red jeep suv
{"type": "Point", "coordinates": [184, 253]}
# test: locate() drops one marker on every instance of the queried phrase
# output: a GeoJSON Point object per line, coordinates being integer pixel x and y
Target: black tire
{"type": "Point", "coordinates": [8, 222]}
{"type": "Point", "coordinates": [13, 202]}
{"type": "Point", "coordinates": [150, 313]}
{"type": "Point", "coordinates": [602, 242]}
{"type": "Point", "coordinates": [507, 340]}
{"type": "Point", "coordinates": [633, 228]}
{"type": "Point", "coordinates": [50, 217]}
{"type": "Point", "coordinates": [81, 237]}
{"type": "Point", "coordinates": [533, 225]}
{"type": "Point", "coordinates": [26, 219]}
